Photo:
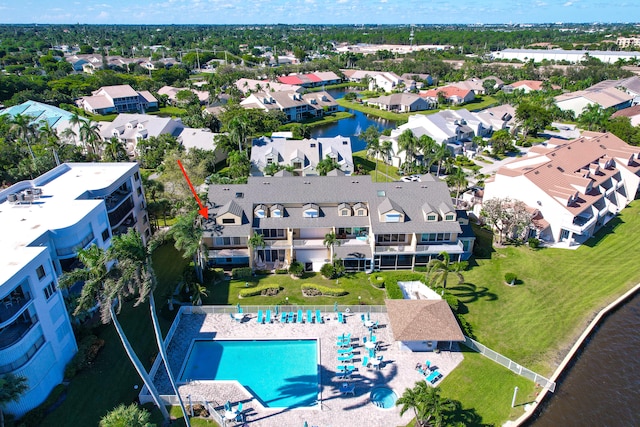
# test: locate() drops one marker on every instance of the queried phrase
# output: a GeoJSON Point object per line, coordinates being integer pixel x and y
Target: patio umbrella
{"type": "Point", "coordinates": [306, 424]}
{"type": "Point", "coordinates": [238, 307]}
{"type": "Point", "coordinates": [335, 306]}
{"type": "Point", "coordinates": [277, 309]}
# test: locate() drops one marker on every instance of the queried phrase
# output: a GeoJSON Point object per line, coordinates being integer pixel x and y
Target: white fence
{"type": "Point", "coordinates": [508, 363]}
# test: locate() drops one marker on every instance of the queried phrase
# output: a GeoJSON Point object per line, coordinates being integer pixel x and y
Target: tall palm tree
{"type": "Point", "coordinates": [130, 416]}
{"type": "Point", "coordinates": [330, 241]}
{"type": "Point", "coordinates": [386, 149]}
{"type": "Point", "coordinates": [90, 135]}
{"type": "Point", "coordinates": [136, 272]}
{"type": "Point", "coordinates": [187, 236]}
{"type": "Point", "coordinates": [440, 154]}
{"type": "Point", "coordinates": [426, 145]}
{"type": "Point", "coordinates": [238, 130]}
{"type": "Point", "coordinates": [114, 151]}
{"type": "Point", "coordinates": [51, 139]}
{"type": "Point", "coordinates": [411, 399]}
{"type": "Point", "coordinates": [438, 270]}
{"type": "Point", "coordinates": [373, 150]}
{"type": "Point", "coordinates": [11, 388]}
{"type": "Point", "coordinates": [430, 408]}
{"type": "Point", "coordinates": [407, 143]}
{"type": "Point", "coordinates": [26, 131]}
{"type": "Point", "coordinates": [103, 286]}
{"type": "Point", "coordinates": [458, 179]}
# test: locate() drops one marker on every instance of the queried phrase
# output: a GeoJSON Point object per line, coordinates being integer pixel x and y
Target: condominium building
{"type": "Point", "coordinates": [44, 222]}
{"type": "Point", "coordinates": [572, 188]}
{"type": "Point", "coordinates": [380, 225]}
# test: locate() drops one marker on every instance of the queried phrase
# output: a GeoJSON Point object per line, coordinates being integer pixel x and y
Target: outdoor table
{"type": "Point", "coordinates": [230, 415]}
{"type": "Point", "coordinates": [370, 345]}
{"type": "Point", "coordinates": [376, 363]}
{"type": "Point", "coordinates": [368, 323]}
{"type": "Point", "coordinates": [238, 316]}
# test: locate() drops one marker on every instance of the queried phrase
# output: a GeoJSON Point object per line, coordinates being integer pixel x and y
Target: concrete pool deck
{"type": "Point", "coordinates": [398, 371]}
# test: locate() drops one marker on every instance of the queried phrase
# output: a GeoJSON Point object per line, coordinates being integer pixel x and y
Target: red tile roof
{"type": "Point", "coordinates": [290, 80]}
{"type": "Point", "coordinates": [449, 91]}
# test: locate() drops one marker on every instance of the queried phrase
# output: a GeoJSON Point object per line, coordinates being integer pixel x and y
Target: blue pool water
{"type": "Point", "coordinates": [279, 373]}
{"type": "Point", "coordinates": [383, 397]}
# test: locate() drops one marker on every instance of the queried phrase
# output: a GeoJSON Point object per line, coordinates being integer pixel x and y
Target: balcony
{"type": "Point", "coordinates": [451, 248]}
{"type": "Point", "coordinates": [114, 199]}
{"type": "Point", "coordinates": [579, 224]}
{"type": "Point", "coordinates": [394, 248]}
{"type": "Point", "coordinates": [120, 212]}
{"type": "Point", "coordinates": [13, 304]}
{"type": "Point", "coordinates": [308, 243]}
{"type": "Point", "coordinates": [12, 333]}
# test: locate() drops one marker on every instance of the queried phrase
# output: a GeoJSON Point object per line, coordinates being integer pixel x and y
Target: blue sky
{"type": "Point", "coordinates": [315, 11]}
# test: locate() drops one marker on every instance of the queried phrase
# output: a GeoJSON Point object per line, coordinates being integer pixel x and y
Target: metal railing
{"type": "Point", "coordinates": [226, 309]}
{"type": "Point", "coordinates": [510, 364]}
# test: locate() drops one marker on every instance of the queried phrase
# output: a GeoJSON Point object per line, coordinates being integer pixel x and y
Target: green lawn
{"type": "Point", "coordinates": [398, 118]}
{"type": "Point", "coordinates": [385, 172]}
{"type": "Point", "coordinates": [558, 292]}
{"type": "Point", "coordinates": [318, 121]}
{"type": "Point", "coordinates": [168, 111]}
{"type": "Point", "coordinates": [485, 390]}
{"type": "Point", "coordinates": [111, 379]}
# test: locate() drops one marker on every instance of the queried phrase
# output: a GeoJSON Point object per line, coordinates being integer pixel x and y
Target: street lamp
{"type": "Point", "coordinates": [287, 300]}
{"type": "Point", "coordinates": [359, 300]}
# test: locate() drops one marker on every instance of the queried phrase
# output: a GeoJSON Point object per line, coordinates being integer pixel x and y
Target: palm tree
{"type": "Point", "coordinates": [107, 287]}
{"type": "Point", "coordinates": [238, 130]}
{"type": "Point", "coordinates": [256, 241]}
{"type": "Point", "coordinates": [440, 154]}
{"type": "Point", "coordinates": [25, 130]}
{"type": "Point", "coordinates": [187, 236]}
{"type": "Point", "coordinates": [407, 142]}
{"type": "Point", "coordinates": [411, 399]}
{"type": "Point", "coordinates": [11, 388]}
{"type": "Point", "coordinates": [386, 149]}
{"type": "Point", "coordinates": [438, 270]}
{"type": "Point", "coordinates": [331, 240]}
{"type": "Point", "coordinates": [373, 147]}
{"type": "Point", "coordinates": [430, 408]}
{"type": "Point", "coordinates": [130, 416]}
{"type": "Point", "coordinates": [458, 179]}
{"type": "Point", "coordinates": [90, 135]}
{"type": "Point", "coordinates": [426, 145]}
{"type": "Point", "coordinates": [326, 165]}
{"type": "Point", "coordinates": [51, 139]}
{"type": "Point", "coordinates": [114, 151]}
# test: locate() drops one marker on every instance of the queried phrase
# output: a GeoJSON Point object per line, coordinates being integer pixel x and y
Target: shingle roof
{"type": "Point", "coordinates": [422, 320]}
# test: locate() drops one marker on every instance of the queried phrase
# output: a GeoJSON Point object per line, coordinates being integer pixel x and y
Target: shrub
{"type": "Point", "coordinates": [466, 327]}
{"type": "Point", "coordinates": [296, 268]}
{"type": "Point", "coordinates": [328, 271]}
{"type": "Point", "coordinates": [420, 269]}
{"type": "Point", "coordinates": [510, 278]}
{"type": "Point", "coordinates": [265, 290]}
{"type": "Point", "coordinates": [282, 271]}
{"type": "Point", "coordinates": [453, 302]}
{"type": "Point", "coordinates": [217, 274]}
{"type": "Point", "coordinates": [312, 290]}
{"type": "Point", "coordinates": [394, 291]}
{"type": "Point", "coordinates": [34, 417]}
{"type": "Point", "coordinates": [533, 242]}
{"type": "Point", "coordinates": [88, 350]}
{"type": "Point", "coordinates": [377, 281]}
{"type": "Point", "coordinates": [241, 272]}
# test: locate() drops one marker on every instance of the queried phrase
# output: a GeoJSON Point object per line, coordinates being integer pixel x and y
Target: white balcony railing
{"type": "Point", "coordinates": [579, 225]}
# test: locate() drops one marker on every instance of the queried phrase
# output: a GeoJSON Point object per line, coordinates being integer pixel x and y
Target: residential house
{"type": "Point", "coordinates": [316, 79]}
{"type": "Point", "coordinates": [633, 113]}
{"type": "Point", "coordinates": [417, 76]}
{"type": "Point", "coordinates": [44, 223]}
{"type": "Point", "coordinates": [400, 103]}
{"type": "Point", "coordinates": [452, 95]}
{"type": "Point", "coordinates": [201, 139]}
{"type": "Point", "coordinates": [605, 97]}
{"type": "Point", "coordinates": [171, 92]}
{"type": "Point", "coordinates": [573, 188]}
{"type": "Point", "coordinates": [131, 128]}
{"type": "Point", "coordinates": [294, 105]}
{"type": "Point", "coordinates": [498, 117]}
{"type": "Point", "coordinates": [384, 80]}
{"type": "Point", "coordinates": [524, 85]}
{"type": "Point", "coordinates": [247, 86]}
{"type": "Point", "coordinates": [561, 55]}
{"type": "Point", "coordinates": [453, 128]}
{"type": "Point", "coordinates": [477, 85]}
{"type": "Point", "coordinates": [380, 225]}
{"type": "Point", "coordinates": [118, 99]}
{"type": "Point", "coordinates": [302, 155]}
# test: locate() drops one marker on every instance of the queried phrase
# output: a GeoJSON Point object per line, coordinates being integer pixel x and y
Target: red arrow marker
{"type": "Point", "coordinates": [204, 211]}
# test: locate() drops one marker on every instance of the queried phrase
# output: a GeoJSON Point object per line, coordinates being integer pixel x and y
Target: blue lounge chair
{"type": "Point", "coordinates": [283, 317]}
{"type": "Point", "coordinates": [227, 406]}
{"type": "Point", "coordinates": [362, 318]}
{"type": "Point", "coordinates": [345, 350]}
{"type": "Point", "coordinates": [351, 368]}
{"type": "Point", "coordinates": [292, 317]}
{"type": "Point", "coordinates": [319, 317]}
{"type": "Point", "coordinates": [434, 377]}
{"type": "Point", "coordinates": [239, 309]}
{"type": "Point", "coordinates": [239, 414]}
{"type": "Point", "coordinates": [299, 318]}
{"type": "Point", "coordinates": [427, 364]}
{"type": "Point", "coordinates": [346, 358]}
{"type": "Point", "coordinates": [341, 368]}
{"type": "Point", "coordinates": [309, 317]}
{"type": "Point", "coordinates": [347, 388]}
{"type": "Point", "coordinates": [365, 361]}
{"type": "Point", "coordinates": [268, 319]}
{"type": "Point", "coordinates": [340, 317]}
{"type": "Point", "coordinates": [369, 316]}
{"type": "Point", "coordinates": [372, 353]}
{"type": "Point", "coordinates": [231, 315]}
{"type": "Point", "coordinates": [260, 317]}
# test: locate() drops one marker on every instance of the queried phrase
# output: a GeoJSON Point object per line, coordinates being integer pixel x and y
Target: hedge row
{"type": "Point", "coordinates": [34, 417]}
{"type": "Point", "coordinates": [333, 292]}
{"type": "Point", "coordinates": [88, 350]}
{"type": "Point", "coordinates": [241, 272]}
{"type": "Point", "coordinates": [377, 281]}
{"type": "Point", "coordinates": [394, 291]}
{"type": "Point", "coordinates": [269, 290]}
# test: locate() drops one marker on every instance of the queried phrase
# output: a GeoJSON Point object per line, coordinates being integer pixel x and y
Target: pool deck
{"type": "Point", "coordinates": [398, 370]}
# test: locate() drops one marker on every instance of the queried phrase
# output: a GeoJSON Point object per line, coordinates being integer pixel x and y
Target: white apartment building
{"type": "Point", "coordinates": [44, 222]}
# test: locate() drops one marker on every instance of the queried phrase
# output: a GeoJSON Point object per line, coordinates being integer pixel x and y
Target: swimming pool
{"type": "Point", "coordinates": [279, 373]}
{"type": "Point", "coordinates": [383, 397]}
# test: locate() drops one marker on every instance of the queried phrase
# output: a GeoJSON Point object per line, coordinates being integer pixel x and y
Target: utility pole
{"type": "Point", "coordinates": [515, 393]}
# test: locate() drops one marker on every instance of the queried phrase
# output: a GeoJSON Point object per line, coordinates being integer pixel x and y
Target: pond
{"type": "Point", "coordinates": [351, 127]}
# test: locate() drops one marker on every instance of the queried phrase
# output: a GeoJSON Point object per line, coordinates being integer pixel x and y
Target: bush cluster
{"type": "Point", "coordinates": [241, 272]}
{"type": "Point", "coordinates": [265, 290]}
{"type": "Point", "coordinates": [328, 271]}
{"type": "Point", "coordinates": [394, 291]}
{"type": "Point", "coordinates": [88, 350]}
{"type": "Point", "coordinates": [534, 243]}
{"type": "Point", "coordinates": [324, 290]}
{"type": "Point", "coordinates": [34, 417]}
{"type": "Point", "coordinates": [510, 277]}
{"type": "Point", "coordinates": [377, 281]}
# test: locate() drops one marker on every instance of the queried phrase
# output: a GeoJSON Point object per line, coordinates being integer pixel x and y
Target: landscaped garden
{"type": "Point", "coordinates": [534, 322]}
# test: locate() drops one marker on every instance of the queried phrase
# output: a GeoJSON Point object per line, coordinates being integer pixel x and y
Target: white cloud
{"type": "Point", "coordinates": [567, 4]}
{"type": "Point", "coordinates": [103, 15]}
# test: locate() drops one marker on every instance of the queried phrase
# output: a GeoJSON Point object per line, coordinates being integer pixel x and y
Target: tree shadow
{"type": "Point", "coordinates": [604, 232]}
{"type": "Point", "coordinates": [468, 293]}
{"type": "Point", "coordinates": [463, 416]}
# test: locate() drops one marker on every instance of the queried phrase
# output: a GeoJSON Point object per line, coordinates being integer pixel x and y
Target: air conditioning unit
{"type": "Point", "coordinates": [12, 198]}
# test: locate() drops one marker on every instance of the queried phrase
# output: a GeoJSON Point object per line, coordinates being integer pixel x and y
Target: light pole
{"type": "Point", "coordinates": [359, 300]}
{"type": "Point", "coordinates": [515, 392]}
{"type": "Point", "coordinates": [287, 300]}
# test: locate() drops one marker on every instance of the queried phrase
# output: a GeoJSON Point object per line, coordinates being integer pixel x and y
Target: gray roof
{"type": "Point", "coordinates": [422, 320]}
{"type": "Point", "coordinates": [327, 192]}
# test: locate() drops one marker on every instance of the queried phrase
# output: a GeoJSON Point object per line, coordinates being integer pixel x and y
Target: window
{"type": "Point", "coordinates": [228, 220]}
{"type": "Point", "coordinates": [105, 235]}
{"type": "Point", "coordinates": [431, 217]}
{"type": "Point", "coordinates": [139, 191]}
{"type": "Point", "coordinates": [311, 213]}
{"type": "Point", "coordinates": [392, 217]}
{"type": "Point", "coordinates": [146, 218]}
{"type": "Point", "coordinates": [449, 217]}
{"type": "Point", "coordinates": [136, 176]}
{"type": "Point", "coordinates": [345, 212]}
{"type": "Point", "coordinates": [49, 290]}
{"type": "Point", "coordinates": [361, 212]}
{"type": "Point", "coordinates": [40, 271]}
